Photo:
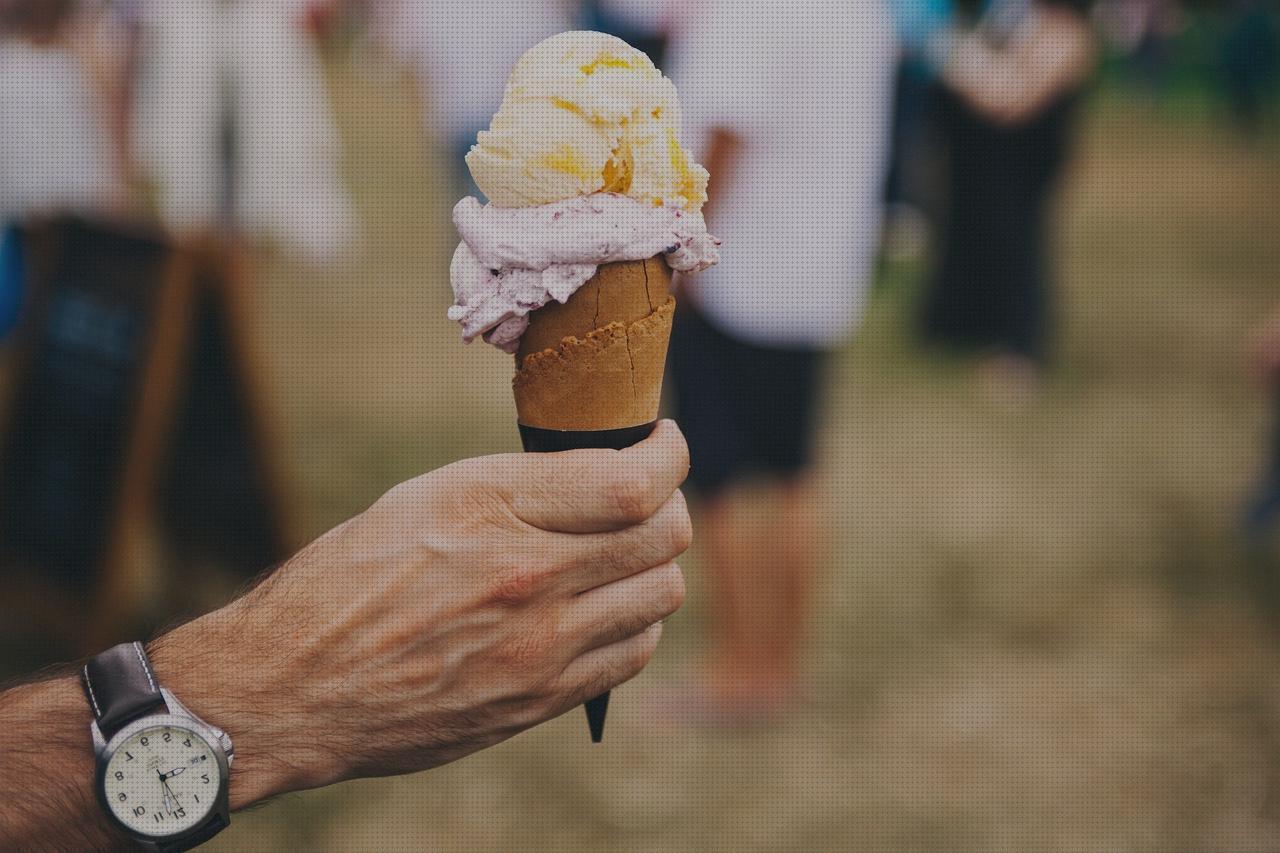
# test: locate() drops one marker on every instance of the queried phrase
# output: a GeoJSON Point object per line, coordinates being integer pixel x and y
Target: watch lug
{"type": "Point", "coordinates": [99, 742]}
{"type": "Point", "coordinates": [176, 707]}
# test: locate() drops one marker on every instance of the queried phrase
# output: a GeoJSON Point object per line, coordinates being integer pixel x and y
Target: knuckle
{"type": "Point", "coordinates": [681, 525]}
{"type": "Point", "coordinates": [640, 656]}
{"type": "Point", "coordinates": [583, 566]}
{"type": "Point", "coordinates": [624, 668]}
{"type": "Point", "coordinates": [619, 626]}
{"type": "Point", "coordinates": [673, 591]}
{"type": "Point", "coordinates": [682, 453]}
{"type": "Point", "coordinates": [617, 560]}
{"type": "Point", "coordinates": [629, 494]}
{"type": "Point", "coordinates": [402, 496]}
{"type": "Point", "coordinates": [479, 503]}
{"type": "Point", "coordinates": [514, 585]}
{"type": "Point", "coordinates": [482, 510]}
{"type": "Point", "coordinates": [600, 682]}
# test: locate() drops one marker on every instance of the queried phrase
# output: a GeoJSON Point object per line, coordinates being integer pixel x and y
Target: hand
{"type": "Point", "coordinates": [463, 607]}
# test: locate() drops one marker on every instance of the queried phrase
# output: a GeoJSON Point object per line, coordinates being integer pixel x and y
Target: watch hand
{"type": "Point", "coordinates": [164, 790]}
{"type": "Point", "coordinates": [177, 771]}
{"type": "Point", "coordinates": [166, 794]}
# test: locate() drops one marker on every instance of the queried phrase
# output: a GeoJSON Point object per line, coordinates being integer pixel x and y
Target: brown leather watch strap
{"type": "Point", "coordinates": [121, 687]}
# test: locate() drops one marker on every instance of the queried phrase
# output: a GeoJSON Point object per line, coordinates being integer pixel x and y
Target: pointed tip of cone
{"type": "Point", "coordinates": [596, 709]}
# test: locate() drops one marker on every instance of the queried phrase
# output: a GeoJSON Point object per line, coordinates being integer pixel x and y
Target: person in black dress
{"type": "Point", "coordinates": [1008, 96]}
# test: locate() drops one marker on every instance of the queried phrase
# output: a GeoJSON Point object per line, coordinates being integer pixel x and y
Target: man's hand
{"type": "Point", "coordinates": [1050, 54]}
{"type": "Point", "coordinates": [463, 607]}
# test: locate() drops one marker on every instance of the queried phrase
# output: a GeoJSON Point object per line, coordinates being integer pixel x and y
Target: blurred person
{"type": "Point", "coordinates": [234, 126]}
{"type": "Point", "coordinates": [462, 608]}
{"type": "Point", "coordinates": [1264, 363]}
{"type": "Point", "coordinates": [1262, 504]}
{"type": "Point", "coordinates": [1155, 26]}
{"type": "Point", "coordinates": [1142, 35]}
{"type": "Point", "coordinates": [462, 53]}
{"type": "Point", "coordinates": [788, 106]}
{"type": "Point", "coordinates": [323, 19]}
{"type": "Point", "coordinates": [57, 149]}
{"type": "Point", "coordinates": [910, 189]}
{"type": "Point", "coordinates": [1009, 91]}
{"type": "Point", "coordinates": [13, 275]}
{"type": "Point", "coordinates": [1138, 27]}
{"type": "Point", "coordinates": [1249, 59]}
{"type": "Point", "coordinates": [61, 77]}
{"type": "Point", "coordinates": [344, 26]}
{"type": "Point", "coordinates": [640, 23]}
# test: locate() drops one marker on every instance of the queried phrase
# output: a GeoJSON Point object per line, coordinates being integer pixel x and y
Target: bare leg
{"type": "Point", "coordinates": [798, 543]}
{"type": "Point", "coordinates": [728, 558]}
{"type": "Point", "coordinates": [1010, 381]}
{"type": "Point", "coordinates": [761, 577]}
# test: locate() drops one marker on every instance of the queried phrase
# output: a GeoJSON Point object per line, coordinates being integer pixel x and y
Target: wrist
{"type": "Point", "coordinates": [219, 670]}
{"type": "Point", "coordinates": [50, 778]}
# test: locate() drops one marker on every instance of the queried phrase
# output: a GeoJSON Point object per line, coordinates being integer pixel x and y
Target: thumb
{"type": "Point", "coordinates": [593, 491]}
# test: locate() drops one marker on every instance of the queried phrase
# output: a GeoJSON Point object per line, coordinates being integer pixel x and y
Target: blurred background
{"type": "Point", "coordinates": [1047, 600]}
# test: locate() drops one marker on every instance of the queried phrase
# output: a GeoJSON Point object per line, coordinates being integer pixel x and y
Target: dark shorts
{"type": "Point", "coordinates": [745, 409]}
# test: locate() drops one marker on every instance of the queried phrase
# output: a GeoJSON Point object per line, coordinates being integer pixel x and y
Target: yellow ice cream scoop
{"type": "Point", "coordinates": [585, 112]}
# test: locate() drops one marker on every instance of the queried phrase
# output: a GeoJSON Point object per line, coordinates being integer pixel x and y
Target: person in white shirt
{"type": "Point", "coordinates": [643, 24]}
{"type": "Point", "coordinates": [57, 152]}
{"type": "Point", "coordinates": [463, 52]}
{"type": "Point", "coordinates": [790, 107]}
{"type": "Point", "coordinates": [233, 124]}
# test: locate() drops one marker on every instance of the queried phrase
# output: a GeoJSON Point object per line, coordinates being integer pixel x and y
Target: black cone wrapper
{"type": "Point", "coordinates": [537, 440]}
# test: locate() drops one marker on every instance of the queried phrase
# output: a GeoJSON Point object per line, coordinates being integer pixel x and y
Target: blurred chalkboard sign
{"type": "Point", "coordinates": [129, 411]}
{"type": "Point", "coordinates": [220, 495]}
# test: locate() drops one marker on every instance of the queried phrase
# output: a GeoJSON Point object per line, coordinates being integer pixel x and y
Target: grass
{"type": "Point", "coordinates": [1033, 633]}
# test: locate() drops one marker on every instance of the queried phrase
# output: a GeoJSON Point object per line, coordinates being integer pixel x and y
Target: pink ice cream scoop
{"type": "Point", "coordinates": [512, 261]}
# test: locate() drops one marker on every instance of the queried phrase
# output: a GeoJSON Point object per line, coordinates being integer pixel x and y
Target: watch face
{"type": "Point", "coordinates": [162, 781]}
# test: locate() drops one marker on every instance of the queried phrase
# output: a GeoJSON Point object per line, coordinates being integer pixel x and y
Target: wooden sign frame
{"type": "Point", "coordinates": [199, 275]}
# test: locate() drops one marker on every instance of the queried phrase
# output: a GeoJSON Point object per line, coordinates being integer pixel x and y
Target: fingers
{"type": "Point", "coordinates": [564, 565]}
{"type": "Point", "coordinates": [592, 491]}
{"type": "Point", "coordinates": [603, 669]}
{"type": "Point", "coordinates": [591, 560]}
{"type": "Point", "coordinates": [615, 612]}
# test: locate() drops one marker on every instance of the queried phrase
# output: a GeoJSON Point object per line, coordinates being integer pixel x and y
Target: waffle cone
{"type": "Point", "coordinates": [596, 362]}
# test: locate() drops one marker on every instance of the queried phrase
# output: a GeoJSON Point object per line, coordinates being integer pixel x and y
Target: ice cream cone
{"type": "Point", "coordinates": [596, 362]}
{"type": "Point", "coordinates": [581, 178]}
{"type": "Point", "coordinates": [589, 372]}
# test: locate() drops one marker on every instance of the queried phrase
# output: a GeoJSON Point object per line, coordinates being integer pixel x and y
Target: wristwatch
{"type": "Point", "coordinates": [162, 772]}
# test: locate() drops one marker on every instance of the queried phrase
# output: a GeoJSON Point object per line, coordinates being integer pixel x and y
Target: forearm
{"type": "Point", "coordinates": [226, 668]}
{"type": "Point", "coordinates": [216, 666]}
{"type": "Point", "coordinates": [1013, 84]}
{"type": "Point", "coordinates": [47, 772]}
{"type": "Point", "coordinates": [997, 85]}
{"type": "Point", "coordinates": [723, 153]}
{"type": "Point", "coordinates": [464, 606]}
